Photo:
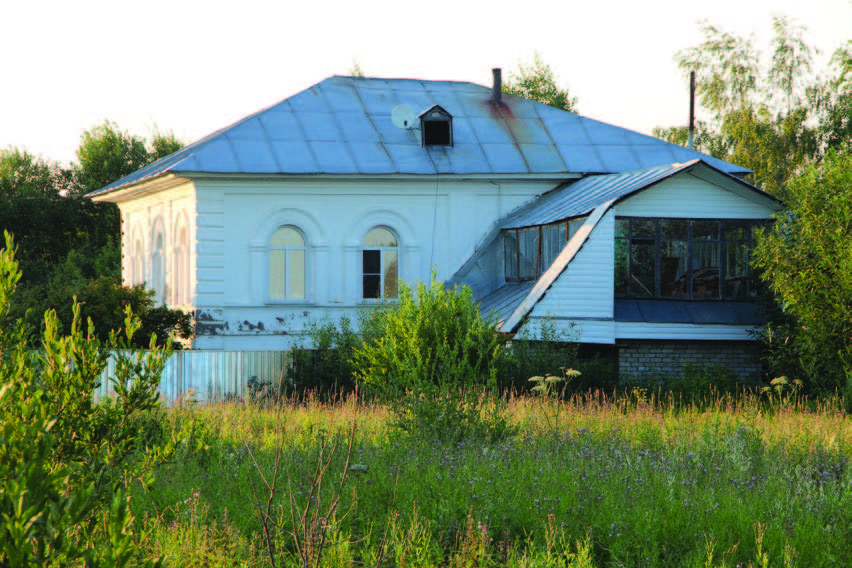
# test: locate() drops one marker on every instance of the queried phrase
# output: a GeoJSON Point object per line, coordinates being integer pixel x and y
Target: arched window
{"type": "Point", "coordinates": [158, 272]}
{"type": "Point", "coordinates": [137, 262]}
{"type": "Point", "coordinates": [380, 264]}
{"type": "Point", "coordinates": [287, 264]}
{"type": "Point", "coordinates": [181, 291]}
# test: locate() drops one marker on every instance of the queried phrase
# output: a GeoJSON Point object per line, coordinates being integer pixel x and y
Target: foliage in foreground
{"type": "Point", "coordinates": [433, 357]}
{"type": "Point", "coordinates": [597, 480]}
{"type": "Point", "coordinates": [807, 259]}
{"type": "Point", "coordinates": [67, 464]}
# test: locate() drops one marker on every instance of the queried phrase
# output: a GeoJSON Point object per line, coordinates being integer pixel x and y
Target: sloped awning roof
{"type": "Point", "coordinates": [594, 196]}
{"type": "Point", "coordinates": [343, 125]}
{"type": "Point", "coordinates": [583, 196]}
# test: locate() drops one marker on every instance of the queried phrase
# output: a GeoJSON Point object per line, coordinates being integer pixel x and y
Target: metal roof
{"type": "Point", "coordinates": [584, 195]}
{"type": "Point", "coordinates": [343, 125]}
{"type": "Point", "coordinates": [503, 301]}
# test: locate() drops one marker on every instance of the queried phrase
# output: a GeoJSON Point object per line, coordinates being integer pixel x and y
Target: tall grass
{"type": "Point", "coordinates": [631, 478]}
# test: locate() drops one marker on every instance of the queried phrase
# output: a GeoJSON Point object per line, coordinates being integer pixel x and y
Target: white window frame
{"type": "Point", "coordinates": [180, 293]}
{"type": "Point", "coordinates": [158, 264]}
{"type": "Point", "coordinates": [382, 252]}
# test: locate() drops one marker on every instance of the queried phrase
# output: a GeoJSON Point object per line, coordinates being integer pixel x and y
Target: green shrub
{"type": "Point", "coordinates": [327, 367]}
{"type": "Point", "coordinates": [529, 356]}
{"type": "Point", "coordinates": [436, 361]}
{"type": "Point", "coordinates": [65, 461]}
{"type": "Point", "coordinates": [807, 259]}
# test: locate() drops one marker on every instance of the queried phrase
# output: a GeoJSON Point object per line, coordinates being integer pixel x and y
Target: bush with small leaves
{"type": "Point", "coordinates": [65, 461]}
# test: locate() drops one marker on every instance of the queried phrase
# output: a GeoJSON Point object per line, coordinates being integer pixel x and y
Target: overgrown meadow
{"type": "Point", "coordinates": [621, 479]}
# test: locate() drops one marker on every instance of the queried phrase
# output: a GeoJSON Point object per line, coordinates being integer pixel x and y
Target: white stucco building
{"type": "Point", "coordinates": [319, 205]}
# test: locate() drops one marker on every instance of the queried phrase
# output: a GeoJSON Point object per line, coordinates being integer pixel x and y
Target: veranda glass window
{"type": "Point", "coordinates": [695, 259]}
{"type": "Point", "coordinates": [528, 252]}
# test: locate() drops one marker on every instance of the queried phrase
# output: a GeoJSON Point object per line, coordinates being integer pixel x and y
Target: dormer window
{"type": "Point", "coordinates": [436, 124]}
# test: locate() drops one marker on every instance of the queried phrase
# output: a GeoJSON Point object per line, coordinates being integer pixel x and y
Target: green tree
{"type": "Point", "coordinates": [807, 259]}
{"type": "Point", "coordinates": [163, 144]}
{"type": "Point", "coordinates": [537, 82]}
{"type": "Point", "coordinates": [25, 175]}
{"type": "Point", "coordinates": [48, 229]}
{"type": "Point", "coordinates": [355, 70]}
{"type": "Point", "coordinates": [763, 115]}
{"type": "Point", "coordinates": [833, 100]}
{"type": "Point", "coordinates": [107, 153]}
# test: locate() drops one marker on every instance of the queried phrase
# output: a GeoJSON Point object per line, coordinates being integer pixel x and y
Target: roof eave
{"type": "Point", "coordinates": [151, 185]}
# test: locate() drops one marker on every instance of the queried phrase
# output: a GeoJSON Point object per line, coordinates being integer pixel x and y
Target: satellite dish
{"type": "Point", "coordinates": [403, 116]}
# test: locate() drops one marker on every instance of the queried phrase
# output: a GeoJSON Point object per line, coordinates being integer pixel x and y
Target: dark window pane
{"type": "Point", "coordinates": [705, 230]}
{"type": "Point", "coordinates": [644, 229]}
{"type": "Point", "coordinates": [372, 262]}
{"type": "Point", "coordinates": [705, 274]}
{"type": "Point", "coordinates": [642, 269]}
{"type": "Point", "coordinates": [436, 133]}
{"type": "Point", "coordinates": [552, 242]}
{"type": "Point", "coordinates": [736, 270]}
{"type": "Point", "coordinates": [621, 274]}
{"type": "Point", "coordinates": [673, 269]}
{"type": "Point", "coordinates": [510, 255]}
{"type": "Point", "coordinates": [621, 227]}
{"type": "Point", "coordinates": [673, 229]}
{"type": "Point", "coordinates": [575, 224]}
{"type": "Point", "coordinates": [372, 286]}
{"type": "Point", "coordinates": [528, 241]}
{"type": "Point", "coordinates": [736, 230]}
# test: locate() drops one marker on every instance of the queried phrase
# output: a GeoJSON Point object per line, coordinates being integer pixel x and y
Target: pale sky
{"type": "Point", "coordinates": [194, 67]}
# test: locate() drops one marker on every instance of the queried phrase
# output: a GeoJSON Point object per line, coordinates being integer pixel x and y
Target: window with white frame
{"type": "Point", "coordinates": [380, 264]}
{"type": "Point", "coordinates": [158, 272]}
{"type": "Point", "coordinates": [181, 280]}
{"type": "Point", "coordinates": [287, 264]}
{"type": "Point", "coordinates": [137, 263]}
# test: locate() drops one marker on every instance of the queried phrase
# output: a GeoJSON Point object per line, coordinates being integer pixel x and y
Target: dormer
{"type": "Point", "coordinates": [436, 126]}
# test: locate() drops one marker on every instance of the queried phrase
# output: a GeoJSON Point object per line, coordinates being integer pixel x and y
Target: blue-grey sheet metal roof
{"type": "Point", "coordinates": [581, 197]}
{"type": "Point", "coordinates": [679, 311]}
{"type": "Point", "coordinates": [343, 125]}
{"type": "Point", "coordinates": [502, 302]}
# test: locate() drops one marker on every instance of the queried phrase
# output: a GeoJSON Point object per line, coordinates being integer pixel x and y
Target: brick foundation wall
{"type": "Point", "coordinates": [643, 358]}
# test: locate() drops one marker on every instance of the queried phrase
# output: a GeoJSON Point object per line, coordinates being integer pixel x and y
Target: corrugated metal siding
{"type": "Point", "coordinates": [210, 375]}
{"type": "Point", "coordinates": [689, 196]}
{"type": "Point", "coordinates": [585, 289]}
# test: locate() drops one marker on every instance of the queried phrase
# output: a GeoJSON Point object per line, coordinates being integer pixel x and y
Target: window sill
{"type": "Point", "coordinates": [295, 303]}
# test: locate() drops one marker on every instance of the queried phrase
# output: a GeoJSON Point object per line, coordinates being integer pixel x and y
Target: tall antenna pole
{"type": "Point", "coordinates": [689, 142]}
